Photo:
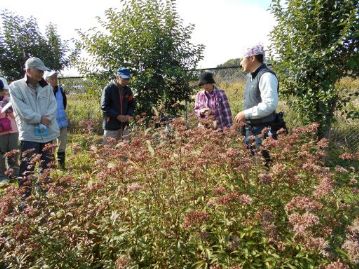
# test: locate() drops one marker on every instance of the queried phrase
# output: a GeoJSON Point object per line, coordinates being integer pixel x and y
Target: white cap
{"type": "Point", "coordinates": [48, 74]}
{"type": "Point", "coordinates": [6, 86]}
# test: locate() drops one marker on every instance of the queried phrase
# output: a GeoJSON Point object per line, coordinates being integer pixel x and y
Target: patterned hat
{"type": "Point", "coordinates": [255, 50]}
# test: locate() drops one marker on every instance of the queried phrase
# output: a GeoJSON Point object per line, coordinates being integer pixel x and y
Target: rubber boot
{"type": "Point", "coordinates": [61, 160]}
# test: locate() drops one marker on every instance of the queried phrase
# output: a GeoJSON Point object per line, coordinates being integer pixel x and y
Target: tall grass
{"type": "Point", "coordinates": [84, 109]}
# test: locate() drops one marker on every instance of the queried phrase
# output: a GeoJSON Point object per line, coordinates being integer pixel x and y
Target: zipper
{"type": "Point", "coordinates": [120, 91]}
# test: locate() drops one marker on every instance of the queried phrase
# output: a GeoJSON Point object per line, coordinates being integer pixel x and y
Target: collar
{"type": "Point", "coordinates": [42, 82]}
{"type": "Point", "coordinates": [255, 73]}
{"type": "Point", "coordinates": [212, 93]}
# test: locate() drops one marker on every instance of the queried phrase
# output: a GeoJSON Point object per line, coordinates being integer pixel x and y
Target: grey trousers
{"type": "Point", "coordinates": [62, 140]}
{"type": "Point", "coordinates": [120, 134]}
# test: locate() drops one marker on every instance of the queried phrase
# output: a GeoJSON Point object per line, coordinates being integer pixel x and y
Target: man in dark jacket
{"type": "Point", "coordinates": [118, 105]}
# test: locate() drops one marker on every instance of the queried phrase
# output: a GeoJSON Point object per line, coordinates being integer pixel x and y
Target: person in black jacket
{"type": "Point", "coordinates": [118, 105]}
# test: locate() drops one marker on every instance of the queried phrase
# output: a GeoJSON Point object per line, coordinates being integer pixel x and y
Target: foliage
{"type": "Point", "coordinates": [188, 198]}
{"type": "Point", "coordinates": [234, 92]}
{"type": "Point", "coordinates": [148, 37]}
{"type": "Point", "coordinates": [84, 113]}
{"type": "Point", "coordinates": [315, 42]}
{"type": "Point", "coordinates": [349, 97]}
{"type": "Point", "coordinates": [20, 38]}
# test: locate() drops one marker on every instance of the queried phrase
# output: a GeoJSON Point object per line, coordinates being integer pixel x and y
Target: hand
{"type": "Point", "coordinates": [45, 120]}
{"type": "Point", "coordinates": [121, 118]}
{"type": "Point", "coordinates": [204, 110]}
{"type": "Point", "coordinates": [124, 118]}
{"type": "Point", "coordinates": [240, 117]}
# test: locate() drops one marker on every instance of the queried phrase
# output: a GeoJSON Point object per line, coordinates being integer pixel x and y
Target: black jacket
{"type": "Point", "coordinates": [116, 101]}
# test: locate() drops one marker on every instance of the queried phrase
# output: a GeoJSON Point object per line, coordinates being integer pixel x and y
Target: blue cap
{"type": "Point", "coordinates": [1, 85]}
{"type": "Point", "coordinates": [124, 73]}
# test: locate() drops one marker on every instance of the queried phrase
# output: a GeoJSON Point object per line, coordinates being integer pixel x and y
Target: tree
{"type": "Point", "coordinates": [316, 44]}
{"type": "Point", "coordinates": [21, 38]}
{"type": "Point", "coordinates": [148, 37]}
{"type": "Point", "coordinates": [58, 49]}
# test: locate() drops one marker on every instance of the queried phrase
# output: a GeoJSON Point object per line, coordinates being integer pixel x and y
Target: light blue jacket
{"type": "Point", "coordinates": [61, 117]}
{"type": "Point", "coordinates": [29, 106]}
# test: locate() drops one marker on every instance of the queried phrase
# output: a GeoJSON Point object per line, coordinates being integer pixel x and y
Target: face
{"type": "Point", "coordinates": [35, 74]}
{"type": "Point", "coordinates": [208, 87]}
{"type": "Point", "coordinates": [52, 80]}
{"type": "Point", "coordinates": [121, 81]}
{"type": "Point", "coordinates": [4, 95]}
{"type": "Point", "coordinates": [246, 63]}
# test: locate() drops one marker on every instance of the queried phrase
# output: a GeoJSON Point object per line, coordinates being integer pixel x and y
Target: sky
{"type": "Point", "coordinates": [225, 27]}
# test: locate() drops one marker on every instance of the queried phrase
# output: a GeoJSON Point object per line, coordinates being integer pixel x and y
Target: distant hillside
{"type": "Point", "coordinates": [231, 73]}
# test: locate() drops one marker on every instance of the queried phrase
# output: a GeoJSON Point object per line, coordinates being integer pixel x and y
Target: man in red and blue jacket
{"type": "Point", "coordinates": [118, 105]}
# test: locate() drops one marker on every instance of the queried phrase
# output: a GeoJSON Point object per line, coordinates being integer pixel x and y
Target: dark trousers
{"type": "Point", "coordinates": [29, 151]}
{"type": "Point", "coordinates": [254, 132]}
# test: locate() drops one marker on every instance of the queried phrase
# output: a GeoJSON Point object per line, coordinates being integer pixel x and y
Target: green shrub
{"type": "Point", "coordinates": [191, 198]}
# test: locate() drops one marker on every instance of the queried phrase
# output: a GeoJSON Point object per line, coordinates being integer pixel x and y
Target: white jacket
{"type": "Point", "coordinates": [29, 106]}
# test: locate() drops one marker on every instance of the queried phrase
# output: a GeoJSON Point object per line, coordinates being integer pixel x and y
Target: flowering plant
{"type": "Point", "coordinates": [197, 198]}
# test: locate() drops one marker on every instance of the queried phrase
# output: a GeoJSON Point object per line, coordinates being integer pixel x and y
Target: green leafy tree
{"type": "Point", "coordinates": [20, 38]}
{"type": "Point", "coordinates": [148, 37]}
{"type": "Point", "coordinates": [316, 44]}
{"type": "Point", "coordinates": [58, 56]}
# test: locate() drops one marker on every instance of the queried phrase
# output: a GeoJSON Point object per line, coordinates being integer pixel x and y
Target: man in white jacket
{"type": "Point", "coordinates": [34, 105]}
{"type": "Point", "coordinates": [260, 100]}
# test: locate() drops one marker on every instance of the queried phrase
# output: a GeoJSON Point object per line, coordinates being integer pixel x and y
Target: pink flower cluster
{"type": "Point", "coordinates": [303, 203]}
{"type": "Point", "coordinates": [336, 265]}
{"type": "Point", "coordinates": [325, 186]}
{"type": "Point", "coordinates": [351, 244]}
{"type": "Point", "coordinates": [301, 223]}
{"type": "Point", "coordinates": [233, 197]}
{"type": "Point", "coordinates": [195, 218]}
{"type": "Point", "coordinates": [265, 178]}
{"type": "Point", "coordinates": [347, 156]}
{"type": "Point", "coordinates": [133, 187]}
